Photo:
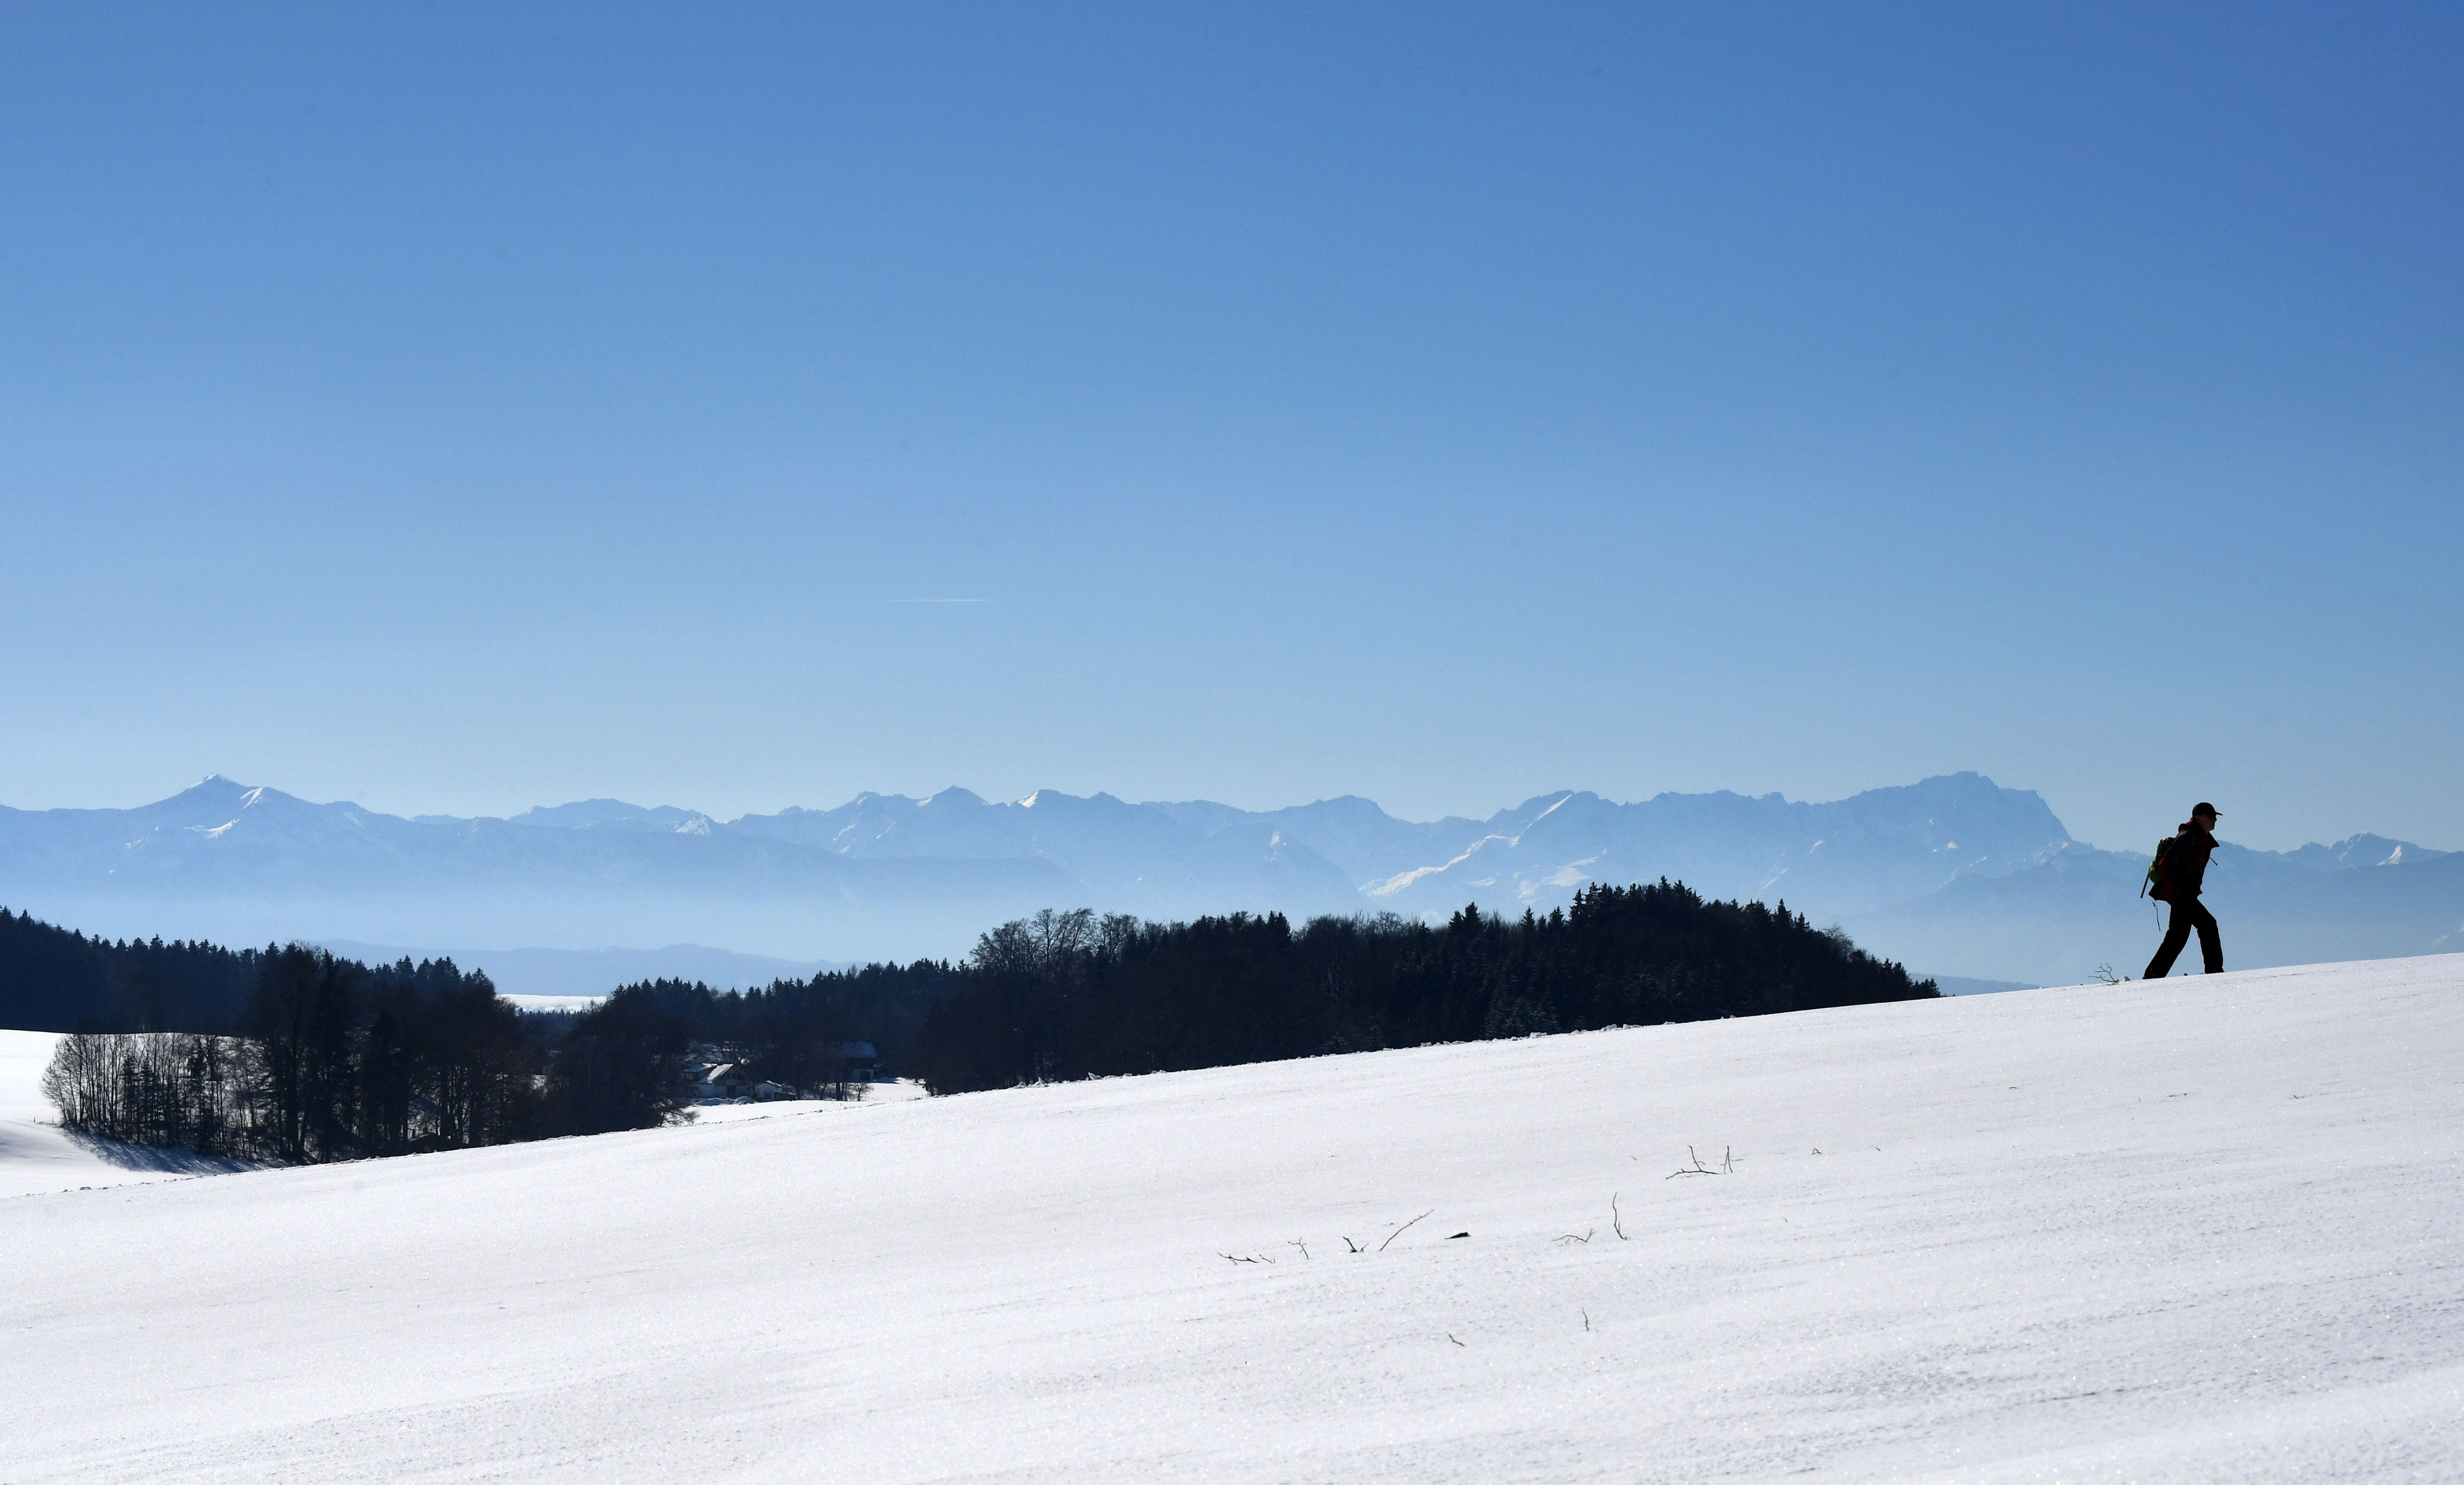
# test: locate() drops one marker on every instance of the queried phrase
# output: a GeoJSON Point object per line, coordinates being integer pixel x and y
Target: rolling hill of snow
{"type": "Point", "coordinates": [2198, 1229]}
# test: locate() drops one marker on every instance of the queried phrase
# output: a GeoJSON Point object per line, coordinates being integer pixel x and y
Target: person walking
{"type": "Point", "coordinates": [2184, 870]}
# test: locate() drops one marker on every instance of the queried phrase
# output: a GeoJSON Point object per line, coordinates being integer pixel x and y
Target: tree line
{"type": "Point", "coordinates": [333, 1059]}
{"type": "Point", "coordinates": [326, 1059]}
{"type": "Point", "coordinates": [1069, 994]}
{"type": "Point", "coordinates": [319, 1057]}
{"type": "Point", "coordinates": [54, 979]}
{"type": "Point", "coordinates": [789, 1032]}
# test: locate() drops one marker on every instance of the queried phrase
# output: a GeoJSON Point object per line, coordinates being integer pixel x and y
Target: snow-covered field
{"type": "Point", "coordinates": [2206, 1230]}
{"type": "Point", "coordinates": [899, 1092]}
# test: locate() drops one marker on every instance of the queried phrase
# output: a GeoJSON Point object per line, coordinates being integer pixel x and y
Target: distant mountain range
{"type": "Point", "coordinates": [1953, 876]}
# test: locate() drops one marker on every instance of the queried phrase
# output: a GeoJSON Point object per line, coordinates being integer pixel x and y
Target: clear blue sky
{"type": "Point", "coordinates": [455, 409]}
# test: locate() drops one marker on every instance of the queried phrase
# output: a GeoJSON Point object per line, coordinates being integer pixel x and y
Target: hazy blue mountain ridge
{"type": "Point", "coordinates": [1952, 874]}
{"type": "Point", "coordinates": [604, 814]}
{"type": "Point", "coordinates": [1849, 856]}
{"type": "Point", "coordinates": [1128, 856]}
{"type": "Point", "coordinates": [2364, 850]}
{"type": "Point", "coordinates": [254, 865]}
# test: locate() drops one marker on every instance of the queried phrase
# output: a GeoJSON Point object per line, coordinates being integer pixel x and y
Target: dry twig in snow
{"type": "Point", "coordinates": [1401, 1231]}
{"type": "Point", "coordinates": [1696, 1168]}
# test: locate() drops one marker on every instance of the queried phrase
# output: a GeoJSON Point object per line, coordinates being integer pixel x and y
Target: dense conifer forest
{"type": "Point", "coordinates": [1065, 995]}
{"type": "Point", "coordinates": [292, 1053]}
{"type": "Point", "coordinates": [52, 979]}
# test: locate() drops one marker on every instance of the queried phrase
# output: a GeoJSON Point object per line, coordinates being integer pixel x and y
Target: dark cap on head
{"type": "Point", "coordinates": [2202, 807]}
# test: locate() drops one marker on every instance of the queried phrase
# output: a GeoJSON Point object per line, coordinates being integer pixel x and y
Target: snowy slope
{"type": "Point", "coordinates": [2201, 1230]}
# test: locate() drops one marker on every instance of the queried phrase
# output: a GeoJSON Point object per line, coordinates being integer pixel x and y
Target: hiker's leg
{"type": "Point", "coordinates": [2211, 944]}
{"type": "Point", "coordinates": [2177, 932]}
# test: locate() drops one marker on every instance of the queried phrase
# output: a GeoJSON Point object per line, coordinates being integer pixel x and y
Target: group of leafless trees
{"type": "Point", "coordinates": [334, 1060]}
{"type": "Point", "coordinates": [294, 1054]}
{"type": "Point", "coordinates": [173, 1088]}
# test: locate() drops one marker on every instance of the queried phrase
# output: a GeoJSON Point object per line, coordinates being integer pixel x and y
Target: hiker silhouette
{"type": "Point", "coordinates": [2181, 870]}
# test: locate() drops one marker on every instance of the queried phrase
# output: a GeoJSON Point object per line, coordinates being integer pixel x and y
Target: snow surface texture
{"type": "Point", "coordinates": [904, 1090]}
{"type": "Point", "coordinates": [2199, 1230]}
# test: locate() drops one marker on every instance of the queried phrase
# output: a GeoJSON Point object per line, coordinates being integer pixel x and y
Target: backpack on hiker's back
{"type": "Point", "coordinates": [2181, 864]}
{"type": "Point", "coordinates": [2157, 883]}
